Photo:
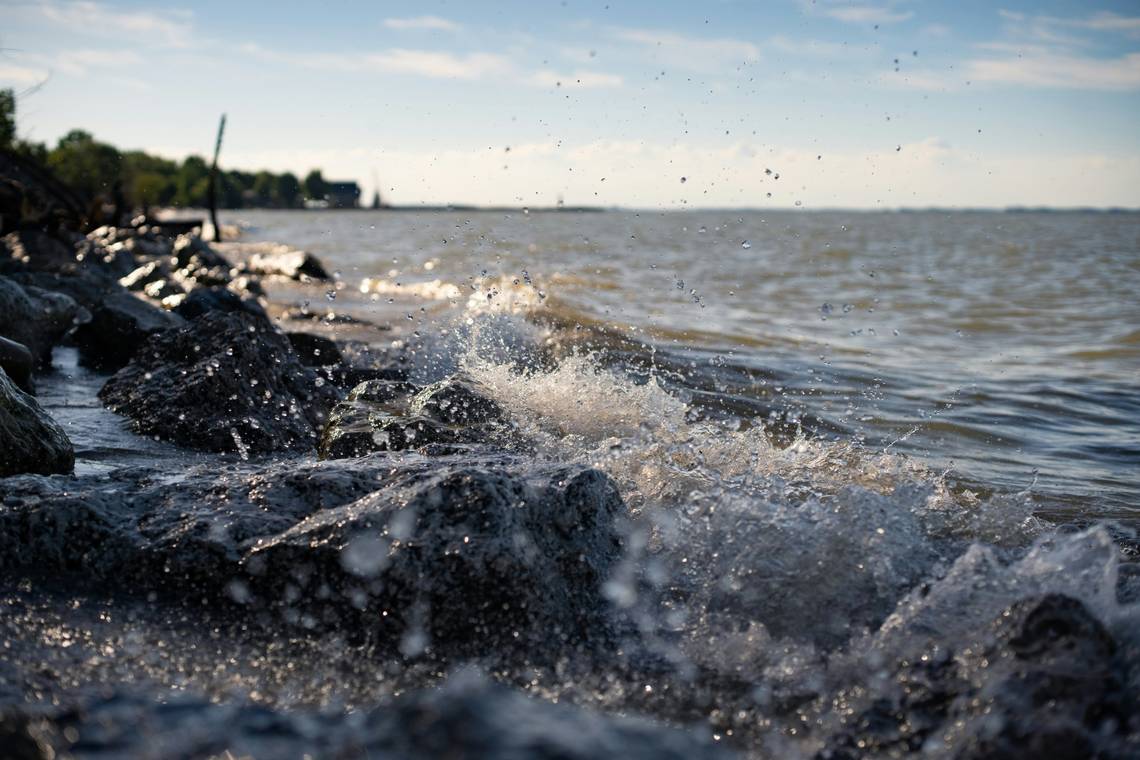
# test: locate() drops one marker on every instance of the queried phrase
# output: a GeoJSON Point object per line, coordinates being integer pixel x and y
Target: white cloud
{"type": "Point", "coordinates": [697, 53]}
{"type": "Point", "coordinates": [865, 14]}
{"type": "Point", "coordinates": [434, 64]}
{"type": "Point", "coordinates": [422, 22]}
{"type": "Point", "coordinates": [577, 80]}
{"type": "Point", "coordinates": [1106, 21]}
{"type": "Point", "coordinates": [440, 65]}
{"type": "Point", "coordinates": [79, 62]}
{"type": "Point", "coordinates": [1044, 69]}
{"type": "Point", "coordinates": [21, 75]}
{"type": "Point", "coordinates": [173, 27]}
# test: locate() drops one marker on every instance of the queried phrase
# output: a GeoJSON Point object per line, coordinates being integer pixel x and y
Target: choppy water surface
{"type": "Point", "coordinates": [1002, 349]}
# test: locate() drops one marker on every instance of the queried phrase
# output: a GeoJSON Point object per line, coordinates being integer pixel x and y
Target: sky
{"type": "Point", "coordinates": [785, 103]}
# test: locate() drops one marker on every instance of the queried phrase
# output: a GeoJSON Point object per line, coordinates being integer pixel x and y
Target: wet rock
{"type": "Point", "coordinates": [39, 251]}
{"type": "Point", "coordinates": [457, 400]}
{"type": "Point", "coordinates": [381, 390]}
{"type": "Point", "coordinates": [356, 428]}
{"type": "Point", "coordinates": [225, 382]}
{"type": "Point", "coordinates": [30, 440]}
{"type": "Point", "coordinates": [314, 350]}
{"type": "Point", "coordinates": [207, 299]}
{"type": "Point", "coordinates": [120, 323]}
{"type": "Point", "coordinates": [1043, 680]}
{"type": "Point", "coordinates": [464, 553]}
{"type": "Point", "coordinates": [35, 318]}
{"type": "Point", "coordinates": [17, 361]}
{"type": "Point", "coordinates": [194, 252]}
{"type": "Point", "coordinates": [160, 290]}
{"type": "Point", "coordinates": [452, 411]}
{"type": "Point", "coordinates": [296, 265]}
{"type": "Point", "coordinates": [139, 278]}
{"type": "Point", "coordinates": [466, 557]}
{"type": "Point", "coordinates": [469, 717]}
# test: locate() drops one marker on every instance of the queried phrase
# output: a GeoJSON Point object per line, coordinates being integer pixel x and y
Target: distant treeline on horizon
{"type": "Point", "coordinates": [96, 169]}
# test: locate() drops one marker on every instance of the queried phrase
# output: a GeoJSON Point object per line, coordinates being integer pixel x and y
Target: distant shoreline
{"type": "Point", "coordinates": [469, 208]}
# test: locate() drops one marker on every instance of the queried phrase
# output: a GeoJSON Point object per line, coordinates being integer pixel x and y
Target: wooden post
{"type": "Point", "coordinates": [212, 193]}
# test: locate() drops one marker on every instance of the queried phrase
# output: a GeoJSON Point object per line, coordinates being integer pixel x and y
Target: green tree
{"type": "Point", "coordinates": [90, 167]}
{"type": "Point", "coordinates": [315, 186]}
{"type": "Point", "coordinates": [288, 189]}
{"type": "Point", "coordinates": [265, 189]}
{"type": "Point", "coordinates": [7, 118]}
{"type": "Point", "coordinates": [191, 182]}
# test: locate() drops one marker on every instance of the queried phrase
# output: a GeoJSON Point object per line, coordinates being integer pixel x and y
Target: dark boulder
{"type": "Point", "coordinates": [140, 277]}
{"type": "Point", "coordinates": [467, 557]}
{"type": "Point", "coordinates": [467, 553]}
{"type": "Point", "coordinates": [30, 440]}
{"type": "Point", "coordinates": [40, 251]}
{"type": "Point", "coordinates": [469, 717]}
{"type": "Point", "coordinates": [457, 400]}
{"type": "Point", "coordinates": [215, 298]}
{"type": "Point", "coordinates": [120, 323]}
{"type": "Point", "coordinates": [36, 318]}
{"type": "Point", "coordinates": [385, 417]}
{"type": "Point", "coordinates": [1042, 680]}
{"type": "Point", "coordinates": [314, 350]}
{"type": "Point", "coordinates": [194, 252]}
{"type": "Point", "coordinates": [17, 361]}
{"type": "Point", "coordinates": [228, 381]}
{"type": "Point", "coordinates": [296, 265]}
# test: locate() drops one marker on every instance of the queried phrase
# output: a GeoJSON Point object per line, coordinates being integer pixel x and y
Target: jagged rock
{"type": "Point", "coordinates": [470, 551]}
{"type": "Point", "coordinates": [457, 400]}
{"type": "Point", "coordinates": [314, 350]}
{"type": "Point", "coordinates": [35, 318]}
{"type": "Point", "coordinates": [17, 361]}
{"type": "Point", "coordinates": [1042, 680]}
{"type": "Point", "coordinates": [139, 278]}
{"type": "Point", "coordinates": [30, 440]}
{"type": "Point", "coordinates": [452, 411]}
{"type": "Point", "coordinates": [225, 382]}
{"type": "Point", "coordinates": [39, 251]}
{"type": "Point", "coordinates": [293, 264]}
{"type": "Point", "coordinates": [191, 250]}
{"type": "Point", "coordinates": [469, 717]}
{"type": "Point", "coordinates": [214, 298]}
{"type": "Point", "coordinates": [381, 390]}
{"type": "Point", "coordinates": [120, 323]}
{"type": "Point", "coordinates": [160, 290]}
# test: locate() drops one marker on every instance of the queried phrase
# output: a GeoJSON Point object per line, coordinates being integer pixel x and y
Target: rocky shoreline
{"type": "Point", "coordinates": [339, 545]}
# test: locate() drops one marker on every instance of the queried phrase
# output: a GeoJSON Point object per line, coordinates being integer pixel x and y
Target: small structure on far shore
{"type": "Point", "coordinates": [343, 195]}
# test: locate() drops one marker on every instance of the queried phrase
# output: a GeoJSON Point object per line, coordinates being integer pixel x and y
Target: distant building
{"type": "Point", "coordinates": [343, 195]}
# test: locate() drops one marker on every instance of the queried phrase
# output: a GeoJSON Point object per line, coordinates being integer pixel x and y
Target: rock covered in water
{"type": "Point", "coordinates": [385, 416]}
{"type": "Point", "coordinates": [469, 717]}
{"type": "Point", "coordinates": [1042, 680]}
{"type": "Point", "coordinates": [30, 440]}
{"type": "Point", "coordinates": [464, 555]}
{"type": "Point", "coordinates": [460, 554]}
{"type": "Point", "coordinates": [36, 318]}
{"type": "Point", "coordinates": [228, 381]}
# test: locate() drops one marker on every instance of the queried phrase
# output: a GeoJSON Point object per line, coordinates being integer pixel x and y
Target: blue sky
{"type": "Point", "coordinates": [861, 105]}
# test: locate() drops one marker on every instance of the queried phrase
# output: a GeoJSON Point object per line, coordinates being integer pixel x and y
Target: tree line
{"type": "Point", "coordinates": [97, 169]}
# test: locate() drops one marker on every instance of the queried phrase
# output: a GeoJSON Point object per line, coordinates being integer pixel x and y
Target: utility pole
{"type": "Point", "coordinates": [212, 194]}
